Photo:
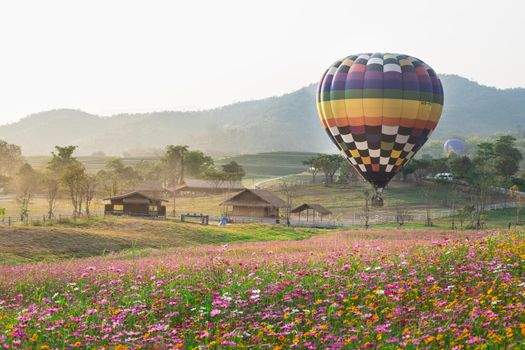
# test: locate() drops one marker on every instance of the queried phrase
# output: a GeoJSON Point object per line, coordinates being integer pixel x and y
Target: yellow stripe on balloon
{"type": "Point", "coordinates": [424, 110]}
{"type": "Point", "coordinates": [392, 107]}
{"type": "Point", "coordinates": [373, 107]}
{"type": "Point", "coordinates": [380, 107]}
{"type": "Point", "coordinates": [435, 113]}
{"type": "Point", "coordinates": [410, 109]}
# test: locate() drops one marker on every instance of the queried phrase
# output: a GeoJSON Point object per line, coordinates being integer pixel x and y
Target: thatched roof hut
{"type": "Point", "coordinates": [255, 203]}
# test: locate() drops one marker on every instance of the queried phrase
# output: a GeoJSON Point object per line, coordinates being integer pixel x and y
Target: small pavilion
{"type": "Point", "coordinates": [311, 211]}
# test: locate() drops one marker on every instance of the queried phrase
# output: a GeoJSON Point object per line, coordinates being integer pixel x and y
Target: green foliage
{"type": "Point", "coordinates": [10, 158]}
{"type": "Point", "coordinates": [329, 164]}
{"type": "Point", "coordinates": [461, 167]}
{"type": "Point", "coordinates": [174, 161]}
{"type": "Point", "coordinates": [62, 157]}
{"type": "Point", "coordinates": [233, 170]}
{"type": "Point", "coordinates": [117, 176]}
{"type": "Point", "coordinates": [197, 163]}
{"type": "Point", "coordinates": [507, 157]}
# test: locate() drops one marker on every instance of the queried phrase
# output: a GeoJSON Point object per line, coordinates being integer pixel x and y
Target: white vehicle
{"type": "Point", "coordinates": [444, 176]}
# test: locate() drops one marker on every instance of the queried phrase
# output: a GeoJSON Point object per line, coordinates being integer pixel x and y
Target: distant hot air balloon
{"type": "Point", "coordinates": [454, 145]}
{"type": "Point", "coordinates": [379, 109]}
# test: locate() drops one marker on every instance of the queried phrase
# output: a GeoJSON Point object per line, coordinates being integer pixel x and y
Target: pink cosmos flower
{"type": "Point", "coordinates": [215, 312]}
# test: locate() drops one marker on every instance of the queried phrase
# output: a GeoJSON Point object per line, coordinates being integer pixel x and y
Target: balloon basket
{"type": "Point", "coordinates": [377, 200]}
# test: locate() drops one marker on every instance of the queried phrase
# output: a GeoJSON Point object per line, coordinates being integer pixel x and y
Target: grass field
{"type": "Point", "coordinates": [381, 289]}
{"type": "Point", "coordinates": [90, 237]}
{"type": "Point", "coordinates": [269, 165]}
{"type": "Point", "coordinates": [68, 239]}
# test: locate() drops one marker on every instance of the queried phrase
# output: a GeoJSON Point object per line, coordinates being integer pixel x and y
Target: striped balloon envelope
{"type": "Point", "coordinates": [379, 109]}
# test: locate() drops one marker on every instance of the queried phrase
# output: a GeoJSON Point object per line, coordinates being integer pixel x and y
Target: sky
{"type": "Point", "coordinates": [111, 56]}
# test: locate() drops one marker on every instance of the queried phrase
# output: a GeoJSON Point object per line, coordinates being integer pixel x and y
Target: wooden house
{"type": "Point", "coordinates": [255, 203]}
{"type": "Point", "coordinates": [135, 204]}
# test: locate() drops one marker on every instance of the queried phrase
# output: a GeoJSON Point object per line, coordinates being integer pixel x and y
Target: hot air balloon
{"type": "Point", "coordinates": [455, 146]}
{"type": "Point", "coordinates": [379, 109]}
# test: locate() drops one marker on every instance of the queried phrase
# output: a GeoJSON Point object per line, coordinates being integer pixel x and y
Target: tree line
{"type": "Point", "coordinates": [330, 165]}
{"type": "Point", "coordinates": [492, 171]}
{"type": "Point", "coordinates": [64, 176]}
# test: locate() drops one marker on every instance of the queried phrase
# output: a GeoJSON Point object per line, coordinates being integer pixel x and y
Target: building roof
{"type": "Point", "coordinates": [267, 199]}
{"type": "Point", "coordinates": [150, 186]}
{"type": "Point", "coordinates": [316, 207]}
{"type": "Point", "coordinates": [200, 184]}
{"type": "Point", "coordinates": [129, 194]}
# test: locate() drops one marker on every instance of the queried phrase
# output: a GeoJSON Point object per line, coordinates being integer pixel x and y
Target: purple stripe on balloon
{"type": "Point", "coordinates": [327, 83]}
{"type": "Point", "coordinates": [425, 87]}
{"type": "Point", "coordinates": [356, 75]}
{"type": "Point", "coordinates": [436, 86]}
{"type": "Point", "coordinates": [338, 85]}
{"type": "Point", "coordinates": [354, 84]}
{"type": "Point", "coordinates": [410, 85]}
{"type": "Point", "coordinates": [373, 84]}
{"type": "Point", "coordinates": [393, 84]}
{"type": "Point", "coordinates": [374, 75]}
{"type": "Point", "coordinates": [425, 84]}
{"type": "Point", "coordinates": [340, 76]}
{"type": "Point", "coordinates": [410, 76]}
{"type": "Point", "coordinates": [392, 76]}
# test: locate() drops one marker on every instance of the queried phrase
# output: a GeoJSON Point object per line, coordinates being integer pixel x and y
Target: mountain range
{"type": "Point", "coordinates": [287, 122]}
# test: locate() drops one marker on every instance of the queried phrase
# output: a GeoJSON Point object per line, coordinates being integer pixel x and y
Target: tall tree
{"type": "Point", "coordinates": [10, 158]}
{"type": "Point", "coordinates": [347, 172]}
{"type": "Point", "coordinates": [329, 164]}
{"type": "Point", "coordinates": [507, 158]}
{"type": "Point", "coordinates": [148, 170]}
{"type": "Point", "coordinates": [73, 178]}
{"type": "Point", "coordinates": [51, 187]}
{"type": "Point", "coordinates": [233, 171]}
{"type": "Point", "coordinates": [289, 189]}
{"type": "Point", "coordinates": [196, 163]}
{"type": "Point", "coordinates": [62, 157]}
{"type": "Point", "coordinates": [69, 172]}
{"type": "Point", "coordinates": [26, 187]}
{"type": "Point", "coordinates": [215, 177]}
{"type": "Point", "coordinates": [482, 179]}
{"type": "Point", "coordinates": [313, 167]}
{"type": "Point", "coordinates": [116, 177]}
{"type": "Point", "coordinates": [89, 187]}
{"type": "Point", "coordinates": [461, 167]}
{"type": "Point", "coordinates": [174, 162]}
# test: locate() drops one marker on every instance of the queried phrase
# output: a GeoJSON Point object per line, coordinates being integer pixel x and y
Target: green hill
{"type": "Point", "coordinates": [287, 122]}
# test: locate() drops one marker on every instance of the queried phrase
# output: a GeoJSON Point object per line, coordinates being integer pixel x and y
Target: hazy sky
{"type": "Point", "coordinates": [107, 57]}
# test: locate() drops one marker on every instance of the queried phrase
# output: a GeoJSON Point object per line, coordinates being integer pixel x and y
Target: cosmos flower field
{"type": "Point", "coordinates": [375, 289]}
